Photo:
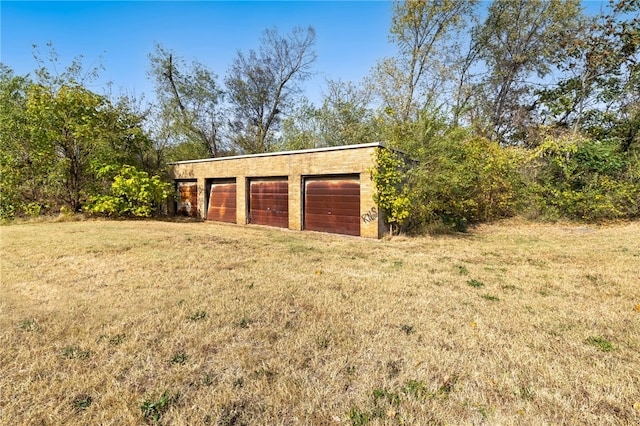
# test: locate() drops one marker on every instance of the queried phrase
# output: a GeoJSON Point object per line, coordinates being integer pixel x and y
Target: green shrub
{"type": "Point", "coordinates": [133, 193]}
{"type": "Point", "coordinates": [467, 180]}
{"type": "Point", "coordinates": [583, 179]}
{"type": "Point", "coordinates": [392, 193]}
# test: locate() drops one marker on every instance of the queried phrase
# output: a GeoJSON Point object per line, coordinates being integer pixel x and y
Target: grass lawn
{"type": "Point", "coordinates": [107, 322]}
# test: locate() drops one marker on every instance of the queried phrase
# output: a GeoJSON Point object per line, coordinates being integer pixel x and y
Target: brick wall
{"type": "Point", "coordinates": [295, 165]}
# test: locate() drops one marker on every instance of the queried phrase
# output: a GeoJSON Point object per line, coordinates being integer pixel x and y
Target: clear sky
{"type": "Point", "coordinates": [350, 35]}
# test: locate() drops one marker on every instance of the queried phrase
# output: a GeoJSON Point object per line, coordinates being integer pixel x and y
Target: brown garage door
{"type": "Point", "coordinates": [222, 202]}
{"type": "Point", "coordinates": [269, 202]}
{"type": "Point", "coordinates": [332, 205]}
{"type": "Point", "coordinates": [187, 203]}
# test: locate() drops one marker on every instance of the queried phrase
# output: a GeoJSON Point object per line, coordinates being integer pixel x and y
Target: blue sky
{"type": "Point", "coordinates": [350, 35]}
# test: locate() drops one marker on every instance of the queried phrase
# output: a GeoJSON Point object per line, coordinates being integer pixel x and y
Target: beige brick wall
{"type": "Point", "coordinates": [354, 160]}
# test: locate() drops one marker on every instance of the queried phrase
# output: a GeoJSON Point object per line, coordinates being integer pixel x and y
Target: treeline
{"type": "Point", "coordinates": [528, 107]}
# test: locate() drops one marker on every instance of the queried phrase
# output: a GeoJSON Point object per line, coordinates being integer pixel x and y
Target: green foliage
{"type": "Point", "coordinates": [198, 315]}
{"type": "Point", "coordinates": [74, 352]}
{"type": "Point", "coordinates": [584, 179]}
{"type": "Point", "coordinates": [179, 358]}
{"type": "Point", "coordinates": [462, 180]}
{"type": "Point", "coordinates": [53, 131]}
{"type": "Point", "coordinates": [82, 402]}
{"type": "Point", "coordinates": [392, 195]}
{"type": "Point", "coordinates": [599, 342]}
{"type": "Point", "coordinates": [358, 417]}
{"type": "Point", "coordinates": [133, 193]}
{"type": "Point", "coordinates": [153, 410]}
{"type": "Point", "coordinates": [475, 283]}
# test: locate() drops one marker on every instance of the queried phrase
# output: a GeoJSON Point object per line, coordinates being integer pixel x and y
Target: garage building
{"type": "Point", "coordinates": [324, 189]}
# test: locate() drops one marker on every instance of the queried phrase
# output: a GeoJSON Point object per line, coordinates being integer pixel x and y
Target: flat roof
{"type": "Point", "coordinates": [272, 154]}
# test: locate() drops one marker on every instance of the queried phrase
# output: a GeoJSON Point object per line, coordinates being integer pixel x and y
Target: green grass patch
{"type": "Point", "coordinates": [601, 343]}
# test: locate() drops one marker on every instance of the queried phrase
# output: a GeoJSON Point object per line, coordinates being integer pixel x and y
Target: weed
{"type": "Point", "coordinates": [244, 322]}
{"type": "Point", "coordinates": [117, 339]}
{"type": "Point", "coordinates": [350, 370]}
{"type": "Point", "coordinates": [593, 278]}
{"type": "Point", "coordinates": [179, 358]}
{"type": "Point", "coordinates": [74, 352]}
{"type": "Point", "coordinates": [81, 402]}
{"type": "Point", "coordinates": [526, 393]}
{"type": "Point", "coordinates": [198, 315]}
{"type": "Point", "coordinates": [484, 411]}
{"type": "Point", "coordinates": [208, 379]}
{"type": "Point", "coordinates": [408, 329]}
{"type": "Point", "coordinates": [238, 382]}
{"type": "Point", "coordinates": [264, 372]}
{"type": "Point", "coordinates": [29, 325]}
{"type": "Point", "coordinates": [447, 386]}
{"type": "Point", "coordinates": [397, 263]}
{"type": "Point", "coordinates": [462, 270]}
{"type": "Point", "coordinates": [323, 341]}
{"type": "Point", "coordinates": [153, 410]}
{"type": "Point", "coordinates": [475, 283]}
{"type": "Point", "coordinates": [392, 398]}
{"type": "Point", "coordinates": [415, 389]}
{"type": "Point", "coordinates": [509, 287]}
{"type": "Point", "coordinates": [490, 298]}
{"type": "Point", "coordinates": [358, 417]}
{"type": "Point", "coordinates": [600, 342]}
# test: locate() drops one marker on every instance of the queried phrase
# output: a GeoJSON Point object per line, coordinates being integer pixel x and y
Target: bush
{"type": "Point", "coordinates": [392, 193]}
{"type": "Point", "coordinates": [468, 180]}
{"type": "Point", "coordinates": [133, 193]}
{"type": "Point", "coordinates": [583, 179]}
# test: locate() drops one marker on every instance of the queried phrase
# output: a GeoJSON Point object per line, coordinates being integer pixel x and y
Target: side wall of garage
{"type": "Point", "coordinates": [296, 168]}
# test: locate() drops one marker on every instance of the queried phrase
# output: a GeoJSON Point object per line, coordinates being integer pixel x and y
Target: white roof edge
{"type": "Point", "coordinates": [271, 154]}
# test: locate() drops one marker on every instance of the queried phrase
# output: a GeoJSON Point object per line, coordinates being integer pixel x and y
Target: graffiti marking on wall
{"type": "Point", "coordinates": [370, 216]}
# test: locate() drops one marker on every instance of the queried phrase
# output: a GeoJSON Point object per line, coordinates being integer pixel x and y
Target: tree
{"type": "Point", "coordinates": [189, 100]}
{"type": "Point", "coordinates": [517, 44]}
{"type": "Point", "coordinates": [600, 89]}
{"type": "Point", "coordinates": [262, 86]}
{"type": "Point", "coordinates": [344, 118]}
{"type": "Point", "coordinates": [79, 130]}
{"type": "Point", "coordinates": [426, 35]}
{"type": "Point", "coordinates": [23, 166]}
{"type": "Point", "coordinates": [56, 134]}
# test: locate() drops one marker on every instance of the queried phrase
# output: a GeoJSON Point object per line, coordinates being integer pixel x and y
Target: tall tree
{"type": "Point", "coordinates": [426, 34]}
{"type": "Point", "coordinates": [189, 101]}
{"type": "Point", "coordinates": [55, 133]}
{"type": "Point", "coordinates": [263, 85]}
{"type": "Point", "coordinates": [23, 167]}
{"type": "Point", "coordinates": [600, 89]}
{"type": "Point", "coordinates": [344, 118]}
{"type": "Point", "coordinates": [517, 44]}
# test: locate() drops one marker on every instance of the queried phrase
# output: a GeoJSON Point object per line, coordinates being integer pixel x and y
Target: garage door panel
{"type": "Point", "coordinates": [222, 203]}
{"type": "Point", "coordinates": [330, 188]}
{"type": "Point", "coordinates": [332, 205]}
{"type": "Point", "coordinates": [329, 203]}
{"type": "Point", "coordinates": [269, 203]}
{"type": "Point", "coordinates": [321, 224]}
{"type": "Point", "coordinates": [268, 200]}
{"type": "Point", "coordinates": [346, 211]}
{"type": "Point", "coordinates": [265, 187]}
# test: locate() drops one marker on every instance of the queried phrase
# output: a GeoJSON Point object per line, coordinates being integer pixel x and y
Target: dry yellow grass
{"type": "Point", "coordinates": [510, 324]}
